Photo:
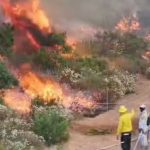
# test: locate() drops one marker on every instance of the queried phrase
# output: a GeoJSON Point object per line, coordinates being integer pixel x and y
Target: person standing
{"type": "Point", "coordinates": [143, 127]}
{"type": "Point", "coordinates": [125, 127]}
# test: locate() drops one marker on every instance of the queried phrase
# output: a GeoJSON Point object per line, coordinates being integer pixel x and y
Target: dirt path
{"type": "Point", "coordinates": [107, 121]}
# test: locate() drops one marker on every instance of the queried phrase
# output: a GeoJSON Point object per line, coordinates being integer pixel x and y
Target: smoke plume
{"type": "Point", "coordinates": [80, 17]}
{"type": "Point", "coordinates": [70, 14]}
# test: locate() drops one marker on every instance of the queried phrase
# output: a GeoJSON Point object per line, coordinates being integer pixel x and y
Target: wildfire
{"type": "Point", "coordinates": [128, 24]}
{"type": "Point", "coordinates": [31, 38]}
{"type": "Point", "coordinates": [31, 23]}
{"type": "Point", "coordinates": [29, 9]}
{"type": "Point", "coordinates": [72, 42]}
{"type": "Point", "coordinates": [37, 86]}
{"type": "Point", "coordinates": [51, 91]}
{"type": "Point", "coordinates": [18, 101]}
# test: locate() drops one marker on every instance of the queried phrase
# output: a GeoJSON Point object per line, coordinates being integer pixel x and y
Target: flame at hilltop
{"type": "Point", "coordinates": [32, 26]}
{"type": "Point", "coordinates": [128, 24]}
{"type": "Point", "coordinates": [29, 9]}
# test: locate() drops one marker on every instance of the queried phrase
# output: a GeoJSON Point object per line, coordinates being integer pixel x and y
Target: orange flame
{"type": "Point", "coordinates": [29, 9]}
{"type": "Point", "coordinates": [42, 87]}
{"type": "Point", "coordinates": [128, 24]}
{"type": "Point", "coordinates": [30, 37]}
{"type": "Point", "coordinates": [49, 90]}
{"type": "Point", "coordinates": [17, 101]}
{"type": "Point", "coordinates": [72, 42]}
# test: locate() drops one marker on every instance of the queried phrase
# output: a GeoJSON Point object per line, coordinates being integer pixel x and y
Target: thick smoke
{"type": "Point", "coordinates": [70, 14]}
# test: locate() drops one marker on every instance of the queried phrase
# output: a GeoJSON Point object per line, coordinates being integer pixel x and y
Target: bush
{"type": "Point", "coordinates": [51, 125]}
{"type": "Point", "coordinates": [49, 60]}
{"type": "Point", "coordinates": [37, 102]}
{"type": "Point", "coordinates": [120, 83]}
{"type": "Point", "coordinates": [137, 64]}
{"type": "Point", "coordinates": [6, 39]}
{"type": "Point", "coordinates": [7, 80]}
{"type": "Point", "coordinates": [70, 76]}
{"type": "Point", "coordinates": [93, 63]}
{"type": "Point", "coordinates": [57, 39]}
{"type": "Point", "coordinates": [85, 73]}
{"type": "Point", "coordinates": [91, 79]}
{"type": "Point", "coordinates": [16, 132]}
{"type": "Point", "coordinates": [118, 43]}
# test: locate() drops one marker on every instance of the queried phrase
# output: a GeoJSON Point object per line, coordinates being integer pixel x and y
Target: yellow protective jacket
{"type": "Point", "coordinates": [125, 123]}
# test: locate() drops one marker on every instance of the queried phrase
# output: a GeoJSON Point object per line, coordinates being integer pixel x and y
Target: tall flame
{"type": "Point", "coordinates": [30, 22]}
{"type": "Point", "coordinates": [29, 9]}
{"type": "Point", "coordinates": [49, 90]}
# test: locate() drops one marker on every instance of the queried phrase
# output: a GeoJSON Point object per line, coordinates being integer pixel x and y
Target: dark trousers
{"type": "Point", "coordinates": [126, 141]}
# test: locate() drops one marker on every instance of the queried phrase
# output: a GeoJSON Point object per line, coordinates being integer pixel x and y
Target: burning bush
{"type": "Point", "coordinates": [7, 80]}
{"type": "Point", "coordinates": [51, 125]}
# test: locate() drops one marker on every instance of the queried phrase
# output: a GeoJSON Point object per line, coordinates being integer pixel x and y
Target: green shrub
{"type": "Point", "coordinates": [37, 102]}
{"type": "Point", "coordinates": [57, 39]}
{"type": "Point", "coordinates": [6, 39]}
{"type": "Point", "coordinates": [49, 60]}
{"type": "Point", "coordinates": [51, 125]}
{"type": "Point", "coordinates": [93, 63]}
{"type": "Point", "coordinates": [7, 80]}
{"type": "Point", "coordinates": [137, 64]}
{"type": "Point", "coordinates": [91, 80]}
{"type": "Point", "coordinates": [118, 43]}
{"type": "Point", "coordinates": [132, 64]}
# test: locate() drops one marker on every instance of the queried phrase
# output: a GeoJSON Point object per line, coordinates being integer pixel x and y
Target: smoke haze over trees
{"type": "Point", "coordinates": [103, 13]}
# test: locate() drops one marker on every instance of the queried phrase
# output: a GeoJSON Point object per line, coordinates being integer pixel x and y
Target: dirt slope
{"type": "Point", "coordinates": [80, 141]}
{"type": "Point", "coordinates": [109, 119]}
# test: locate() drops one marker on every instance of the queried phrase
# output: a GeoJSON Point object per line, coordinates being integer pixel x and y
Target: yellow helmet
{"type": "Point", "coordinates": [122, 109]}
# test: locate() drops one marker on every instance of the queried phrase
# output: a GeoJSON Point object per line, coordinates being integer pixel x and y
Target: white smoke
{"type": "Point", "coordinates": [104, 13]}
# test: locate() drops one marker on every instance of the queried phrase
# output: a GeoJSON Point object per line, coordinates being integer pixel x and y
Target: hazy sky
{"type": "Point", "coordinates": [95, 12]}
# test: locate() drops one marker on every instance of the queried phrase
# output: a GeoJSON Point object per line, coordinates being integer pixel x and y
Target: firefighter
{"type": "Point", "coordinates": [143, 127]}
{"type": "Point", "coordinates": [125, 127]}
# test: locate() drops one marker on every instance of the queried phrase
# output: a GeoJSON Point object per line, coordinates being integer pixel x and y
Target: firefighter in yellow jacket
{"type": "Point", "coordinates": [125, 127]}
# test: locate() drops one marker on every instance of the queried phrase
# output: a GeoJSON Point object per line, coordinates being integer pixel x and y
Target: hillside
{"type": "Point", "coordinates": [108, 121]}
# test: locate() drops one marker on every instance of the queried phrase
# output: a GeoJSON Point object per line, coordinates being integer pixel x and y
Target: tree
{"type": "Point", "coordinates": [7, 80]}
{"type": "Point", "coordinates": [6, 39]}
{"type": "Point", "coordinates": [120, 43]}
{"type": "Point", "coordinates": [133, 44]}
